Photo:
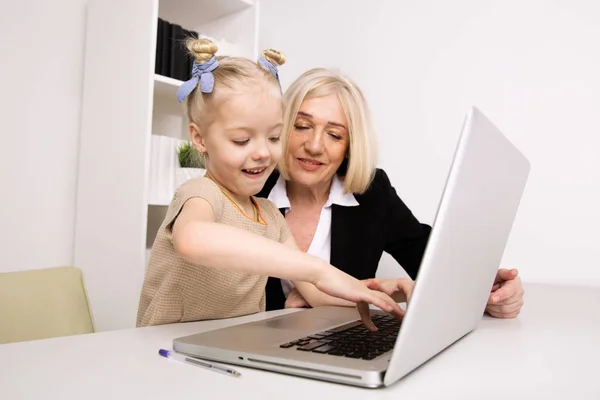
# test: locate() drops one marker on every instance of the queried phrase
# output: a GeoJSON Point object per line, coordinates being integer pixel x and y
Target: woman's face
{"type": "Point", "coordinates": [319, 141]}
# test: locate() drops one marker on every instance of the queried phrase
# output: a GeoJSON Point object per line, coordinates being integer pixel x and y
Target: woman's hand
{"type": "Point", "coordinates": [506, 298]}
{"type": "Point", "coordinates": [295, 300]}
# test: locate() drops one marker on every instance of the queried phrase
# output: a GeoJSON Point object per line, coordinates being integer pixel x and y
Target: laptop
{"type": "Point", "coordinates": [469, 234]}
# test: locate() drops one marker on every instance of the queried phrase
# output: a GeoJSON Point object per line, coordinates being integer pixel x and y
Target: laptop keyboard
{"type": "Point", "coordinates": [352, 340]}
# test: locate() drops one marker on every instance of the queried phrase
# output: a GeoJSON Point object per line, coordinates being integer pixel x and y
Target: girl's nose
{"type": "Point", "coordinates": [261, 151]}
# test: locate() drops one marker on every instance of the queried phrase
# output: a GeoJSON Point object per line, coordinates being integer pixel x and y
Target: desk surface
{"type": "Point", "coordinates": [550, 351]}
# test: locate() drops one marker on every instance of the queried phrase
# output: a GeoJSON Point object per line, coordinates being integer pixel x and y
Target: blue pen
{"type": "Point", "coordinates": [199, 363]}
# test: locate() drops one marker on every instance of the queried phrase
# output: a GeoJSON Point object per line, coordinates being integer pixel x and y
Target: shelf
{"type": "Point", "coordinates": [122, 53]}
{"type": "Point", "coordinates": [191, 14]}
{"type": "Point", "coordinates": [159, 204]}
{"type": "Point", "coordinates": [168, 116]}
{"type": "Point", "coordinates": [166, 88]}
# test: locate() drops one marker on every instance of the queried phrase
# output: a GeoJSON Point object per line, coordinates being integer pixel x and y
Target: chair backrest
{"type": "Point", "coordinates": [44, 303]}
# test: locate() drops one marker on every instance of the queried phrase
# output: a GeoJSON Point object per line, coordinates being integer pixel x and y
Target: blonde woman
{"type": "Point", "coordinates": [338, 205]}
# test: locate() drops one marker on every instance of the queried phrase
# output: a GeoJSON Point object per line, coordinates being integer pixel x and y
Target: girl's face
{"type": "Point", "coordinates": [319, 141]}
{"type": "Point", "coordinates": [242, 143]}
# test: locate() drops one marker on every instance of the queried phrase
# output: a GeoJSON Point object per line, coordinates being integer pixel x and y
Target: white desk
{"type": "Point", "coordinates": [551, 351]}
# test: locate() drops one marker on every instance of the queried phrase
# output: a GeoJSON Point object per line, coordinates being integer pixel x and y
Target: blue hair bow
{"type": "Point", "coordinates": [200, 72]}
{"type": "Point", "coordinates": [269, 66]}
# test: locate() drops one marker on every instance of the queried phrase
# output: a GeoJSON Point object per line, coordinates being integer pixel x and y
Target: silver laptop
{"type": "Point", "coordinates": [469, 235]}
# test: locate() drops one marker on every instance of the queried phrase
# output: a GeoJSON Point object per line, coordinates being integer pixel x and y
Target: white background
{"type": "Point", "coordinates": [41, 77]}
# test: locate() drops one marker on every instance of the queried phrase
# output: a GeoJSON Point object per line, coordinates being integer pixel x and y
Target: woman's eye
{"type": "Point", "coordinates": [301, 127]}
{"type": "Point", "coordinates": [335, 136]}
{"type": "Point", "coordinates": [241, 142]}
{"type": "Point", "coordinates": [275, 139]}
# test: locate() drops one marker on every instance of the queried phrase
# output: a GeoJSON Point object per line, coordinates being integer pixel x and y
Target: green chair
{"type": "Point", "coordinates": [43, 303]}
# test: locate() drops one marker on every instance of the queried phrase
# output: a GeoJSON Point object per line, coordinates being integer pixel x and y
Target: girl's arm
{"type": "Point", "coordinates": [313, 296]}
{"type": "Point", "coordinates": [398, 289]}
{"type": "Point", "coordinates": [197, 238]}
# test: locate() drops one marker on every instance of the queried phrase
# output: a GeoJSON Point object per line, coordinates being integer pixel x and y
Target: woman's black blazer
{"type": "Point", "coordinates": [360, 235]}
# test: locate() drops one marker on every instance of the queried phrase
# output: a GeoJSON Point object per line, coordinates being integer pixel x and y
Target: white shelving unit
{"type": "Point", "coordinates": [124, 104]}
{"type": "Point", "coordinates": [165, 87]}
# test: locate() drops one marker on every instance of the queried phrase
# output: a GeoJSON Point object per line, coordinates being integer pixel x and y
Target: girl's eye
{"type": "Point", "coordinates": [275, 139]}
{"type": "Point", "coordinates": [241, 142]}
{"type": "Point", "coordinates": [301, 127]}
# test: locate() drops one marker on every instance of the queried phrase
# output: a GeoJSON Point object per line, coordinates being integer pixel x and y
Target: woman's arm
{"type": "Point", "coordinates": [405, 237]}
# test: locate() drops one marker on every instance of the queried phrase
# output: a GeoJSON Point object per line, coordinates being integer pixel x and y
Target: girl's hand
{"type": "Point", "coordinates": [399, 289]}
{"type": "Point", "coordinates": [339, 284]}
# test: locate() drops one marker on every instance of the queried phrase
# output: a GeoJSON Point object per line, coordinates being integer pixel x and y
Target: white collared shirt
{"type": "Point", "coordinates": [320, 245]}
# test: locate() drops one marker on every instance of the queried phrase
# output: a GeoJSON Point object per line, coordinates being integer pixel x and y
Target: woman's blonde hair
{"type": "Point", "coordinates": [358, 169]}
{"type": "Point", "coordinates": [231, 72]}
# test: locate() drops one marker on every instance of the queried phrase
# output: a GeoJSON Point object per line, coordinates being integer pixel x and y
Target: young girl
{"type": "Point", "coordinates": [218, 244]}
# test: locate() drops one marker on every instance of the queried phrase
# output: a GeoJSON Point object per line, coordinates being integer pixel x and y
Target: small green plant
{"type": "Point", "coordinates": [189, 157]}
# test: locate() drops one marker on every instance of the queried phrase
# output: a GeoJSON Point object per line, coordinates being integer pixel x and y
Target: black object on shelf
{"type": "Point", "coordinates": [172, 58]}
{"type": "Point", "coordinates": [179, 64]}
{"type": "Point", "coordinates": [159, 47]}
{"type": "Point", "coordinates": [165, 48]}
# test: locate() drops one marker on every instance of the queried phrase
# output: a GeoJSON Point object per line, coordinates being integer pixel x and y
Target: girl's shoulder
{"type": "Point", "coordinates": [268, 209]}
{"type": "Point", "coordinates": [197, 184]}
{"type": "Point", "coordinates": [200, 186]}
{"type": "Point", "coordinates": [266, 205]}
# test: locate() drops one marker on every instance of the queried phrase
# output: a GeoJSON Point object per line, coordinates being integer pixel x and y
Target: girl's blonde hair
{"type": "Point", "coordinates": [358, 169]}
{"type": "Point", "coordinates": [231, 72]}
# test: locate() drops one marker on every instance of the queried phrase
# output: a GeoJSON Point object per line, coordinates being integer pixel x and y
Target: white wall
{"type": "Point", "coordinates": [530, 66]}
{"type": "Point", "coordinates": [41, 48]}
